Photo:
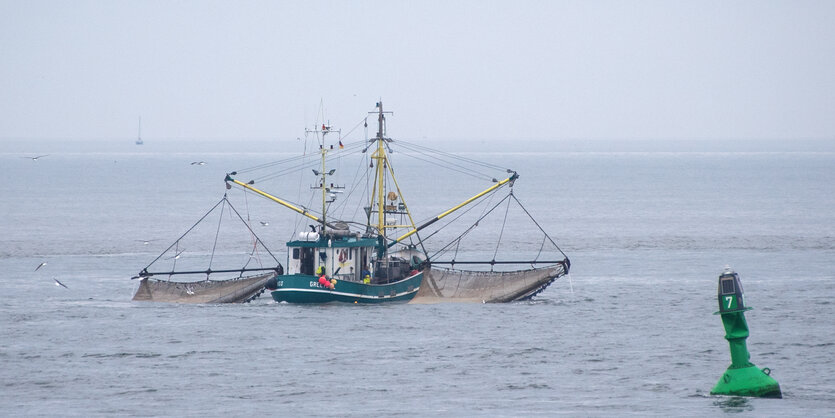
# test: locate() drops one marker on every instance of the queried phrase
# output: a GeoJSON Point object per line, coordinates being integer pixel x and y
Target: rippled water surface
{"type": "Point", "coordinates": [631, 334]}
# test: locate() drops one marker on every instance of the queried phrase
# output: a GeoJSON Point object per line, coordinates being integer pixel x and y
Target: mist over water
{"type": "Point", "coordinates": [648, 232]}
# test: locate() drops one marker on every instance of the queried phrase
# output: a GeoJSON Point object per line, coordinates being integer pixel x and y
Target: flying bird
{"type": "Point", "coordinates": [264, 223]}
{"type": "Point", "coordinates": [36, 158]}
{"type": "Point", "coordinates": [145, 241]}
{"type": "Point", "coordinates": [40, 265]}
{"type": "Point", "coordinates": [198, 163]}
{"type": "Point", "coordinates": [177, 256]}
{"type": "Point", "coordinates": [57, 283]}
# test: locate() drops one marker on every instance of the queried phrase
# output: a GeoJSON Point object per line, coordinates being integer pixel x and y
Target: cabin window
{"type": "Point", "coordinates": [728, 286]}
{"type": "Point", "coordinates": [306, 263]}
{"type": "Point", "coordinates": [295, 253]}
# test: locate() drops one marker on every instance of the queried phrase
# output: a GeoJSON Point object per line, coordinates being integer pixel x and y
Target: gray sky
{"type": "Point", "coordinates": [448, 69]}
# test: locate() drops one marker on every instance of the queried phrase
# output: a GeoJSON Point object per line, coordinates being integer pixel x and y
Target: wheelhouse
{"type": "Point", "coordinates": [342, 258]}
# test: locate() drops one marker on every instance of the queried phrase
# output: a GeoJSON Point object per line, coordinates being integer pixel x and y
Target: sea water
{"type": "Point", "coordinates": [632, 333]}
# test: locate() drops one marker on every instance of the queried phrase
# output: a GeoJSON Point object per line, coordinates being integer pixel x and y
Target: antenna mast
{"type": "Point", "coordinates": [324, 173]}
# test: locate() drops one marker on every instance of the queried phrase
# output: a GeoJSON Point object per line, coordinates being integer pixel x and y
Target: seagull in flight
{"type": "Point", "coordinates": [264, 223]}
{"type": "Point", "coordinates": [177, 256]}
{"type": "Point", "coordinates": [145, 241]}
{"type": "Point", "coordinates": [36, 157]}
{"type": "Point", "coordinates": [40, 265]}
{"type": "Point", "coordinates": [198, 163]}
{"type": "Point", "coordinates": [57, 283]}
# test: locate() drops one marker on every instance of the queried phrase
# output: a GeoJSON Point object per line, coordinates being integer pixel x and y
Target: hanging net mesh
{"type": "Point", "coordinates": [237, 290]}
{"type": "Point", "coordinates": [449, 285]}
{"type": "Point", "coordinates": [185, 272]}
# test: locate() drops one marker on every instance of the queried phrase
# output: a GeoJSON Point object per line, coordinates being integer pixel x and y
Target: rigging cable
{"type": "Point", "coordinates": [364, 164]}
{"type": "Point", "coordinates": [253, 233]}
{"type": "Point", "coordinates": [452, 156]}
{"type": "Point", "coordinates": [406, 210]}
{"type": "Point", "coordinates": [299, 195]}
{"type": "Point", "coordinates": [217, 234]}
{"type": "Point", "coordinates": [565, 263]}
{"type": "Point", "coordinates": [358, 125]}
{"type": "Point", "coordinates": [473, 226]}
{"type": "Point", "coordinates": [176, 253]}
{"type": "Point", "coordinates": [501, 233]}
{"type": "Point", "coordinates": [450, 166]}
{"type": "Point", "coordinates": [538, 226]}
{"type": "Point", "coordinates": [252, 254]}
{"type": "Point", "coordinates": [177, 242]}
{"type": "Point", "coordinates": [453, 220]}
{"type": "Point", "coordinates": [355, 184]}
{"type": "Point", "coordinates": [541, 246]}
{"type": "Point", "coordinates": [273, 163]}
{"type": "Point", "coordinates": [304, 165]}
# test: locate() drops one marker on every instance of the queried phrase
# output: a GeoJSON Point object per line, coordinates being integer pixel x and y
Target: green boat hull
{"type": "Point", "coordinates": [303, 288]}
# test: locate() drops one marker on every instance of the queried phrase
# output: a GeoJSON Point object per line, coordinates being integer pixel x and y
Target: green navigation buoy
{"type": "Point", "coordinates": [742, 378]}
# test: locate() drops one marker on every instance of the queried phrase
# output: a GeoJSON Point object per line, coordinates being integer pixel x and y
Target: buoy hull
{"type": "Point", "coordinates": [747, 381]}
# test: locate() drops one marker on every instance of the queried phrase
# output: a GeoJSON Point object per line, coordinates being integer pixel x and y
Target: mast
{"type": "Point", "coordinates": [322, 186]}
{"type": "Point", "coordinates": [324, 173]}
{"type": "Point", "coordinates": [139, 134]}
{"type": "Point", "coordinates": [325, 129]}
{"type": "Point", "coordinates": [380, 156]}
{"type": "Point", "coordinates": [379, 193]}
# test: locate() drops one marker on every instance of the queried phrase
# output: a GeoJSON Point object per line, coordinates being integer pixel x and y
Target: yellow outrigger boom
{"type": "Point", "coordinates": [274, 199]}
{"type": "Point", "coordinates": [510, 180]}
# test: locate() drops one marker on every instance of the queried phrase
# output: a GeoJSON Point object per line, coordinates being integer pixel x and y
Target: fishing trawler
{"type": "Point", "coordinates": [374, 262]}
{"type": "Point", "coordinates": [331, 263]}
{"type": "Point", "coordinates": [381, 257]}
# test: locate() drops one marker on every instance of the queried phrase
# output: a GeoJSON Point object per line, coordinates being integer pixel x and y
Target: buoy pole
{"type": "Point", "coordinates": [742, 378]}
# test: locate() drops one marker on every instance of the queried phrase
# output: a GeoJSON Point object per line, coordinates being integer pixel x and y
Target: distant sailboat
{"type": "Point", "coordinates": [139, 135]}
